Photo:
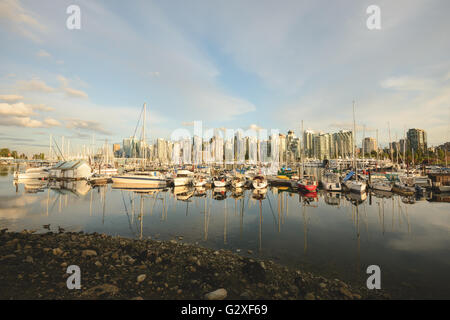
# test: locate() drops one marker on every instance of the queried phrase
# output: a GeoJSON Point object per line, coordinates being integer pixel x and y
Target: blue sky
{"type": "Point", "coordinates": [231, 64]}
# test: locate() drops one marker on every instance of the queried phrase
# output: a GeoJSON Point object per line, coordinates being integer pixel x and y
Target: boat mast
{"type": "Point", "coordinates": [303, 151]}
{"type": "Point", "coordinates": [50, 148]}
{"type": "Point", "coordinates": [355, 167]}
{"type": "Point", "coordinates": [143, 133]}
{"type": "Point", "coordinates": [390, 143]}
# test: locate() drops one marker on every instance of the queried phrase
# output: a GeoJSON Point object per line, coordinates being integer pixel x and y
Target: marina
{"type": "Point", "coordinates": [337, 234]}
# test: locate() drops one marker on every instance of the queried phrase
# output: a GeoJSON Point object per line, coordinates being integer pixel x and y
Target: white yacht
{"type": "Point", "coordinates": [152, 179]}
{"type": "Point", "coordinates": [381, 185]}
{"type": "Point", "coordinates": [259, 182]}
{"type": "Point", "coordinates": [32, 173]}
{"type": "Point", "coordinates": [356, 186]}
{"type": "Point", "coordinates": [238, 182]}
{"type": "Point", "coordinates": [330, 182]}
{"type": "Point", "coordinates": [199, 181]}
{"type": "Point", "coordinates": [183, 178]}
{"type": "Point", "coordinates": [221, 181]}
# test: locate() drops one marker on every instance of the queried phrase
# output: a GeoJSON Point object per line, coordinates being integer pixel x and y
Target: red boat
{"type": "Point", "coordinates": [307, 185]}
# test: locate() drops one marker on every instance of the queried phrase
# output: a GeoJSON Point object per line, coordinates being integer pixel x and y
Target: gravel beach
{"type": "Point", "coordinates": [34, 266]}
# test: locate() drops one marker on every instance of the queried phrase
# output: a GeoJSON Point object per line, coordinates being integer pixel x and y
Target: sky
{"type": "Point", "coordinates": [230, 64]}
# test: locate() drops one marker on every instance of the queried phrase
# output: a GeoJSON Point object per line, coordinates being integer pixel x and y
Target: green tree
{"type": "Point", "coordinates": [5, 152]}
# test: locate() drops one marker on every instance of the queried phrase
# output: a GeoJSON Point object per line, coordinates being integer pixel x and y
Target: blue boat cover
{"type": "Point", "coordinates": [349, 175]}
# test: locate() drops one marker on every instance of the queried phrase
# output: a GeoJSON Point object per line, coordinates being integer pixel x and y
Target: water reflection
{"type": "Point", "coordinates": [337, 234]}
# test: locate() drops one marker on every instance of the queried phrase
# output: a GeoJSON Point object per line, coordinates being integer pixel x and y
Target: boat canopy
{"type": "Point", "coordinates": [349, 175]}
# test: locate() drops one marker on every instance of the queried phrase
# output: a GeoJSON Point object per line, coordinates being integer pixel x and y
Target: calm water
{"type": "Point", "coordinates": [333, 234]}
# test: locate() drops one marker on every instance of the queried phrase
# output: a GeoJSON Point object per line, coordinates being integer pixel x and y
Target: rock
{"type": "Point", "coordinates": [322, 285]}
{"type": "Point", "coordinates": [137, 298]}
{"type": "Point", "coordinates": [29, 259]}
{"type": "Point", "coordinates": [88, 253]}
{"type": "Point", "coordinates": [115, 256]}
{"type": "Point", "coordinates": [218, 294]}
{"type": "Point", "coordinates": [141, 278]}
{"type": "Point", "coordinates": [98, 263]}
{"type": "Point", "coordinates": [8, 256]}
{"type": "Point", "coordinates": [254, 271]}
{"type": "Point", "coordinates": [101, 290]}
{"type": "Point", "coordinates": [57, 251]}
{"type": "Point", "coordinates": [158, 260]}
{"type": "Point", "coordinates": [310, 296]}
{"type": "Point", "coordinates": [346, 292]}
{"type": "Point", "coordinates": [245, 295]}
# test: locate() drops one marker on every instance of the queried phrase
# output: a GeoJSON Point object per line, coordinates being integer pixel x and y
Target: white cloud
{"type": "Point", "coordinates": [43, 54]}
{"type": "Point", "coordinates": [21, 122]}
{"type": "Point", "coordinates": [21, 20]}
{"type": "Point", "coordinates": [42, 107]}
{"type": "Point", "coordinates": [86, 125]}
{"type": "Point", "coordinates": [10, 97]}
{"type": "Point", "coordinates": [35, 85]}
{"type": "Point", "coordinates": [407, 83]}
{"type": "Point", "coordinates": [17, 109]}
{"type": "Point", "coordinates": [52, 122]}
{"type": "Point", "coordinates": [70, 92]}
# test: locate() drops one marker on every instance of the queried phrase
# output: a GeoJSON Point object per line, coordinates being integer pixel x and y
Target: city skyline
{"type": "Point", "coordinates": [268, 65]}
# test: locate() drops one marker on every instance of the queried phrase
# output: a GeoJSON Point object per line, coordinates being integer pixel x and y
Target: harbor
{"type": "Point", "coordinates": [330, 234]}
{"type": "Point", "coordinates": [214, 150]}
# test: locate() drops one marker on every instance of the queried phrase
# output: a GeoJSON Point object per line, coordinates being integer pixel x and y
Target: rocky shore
{"type": "Point", "coordinates": [34, 266]}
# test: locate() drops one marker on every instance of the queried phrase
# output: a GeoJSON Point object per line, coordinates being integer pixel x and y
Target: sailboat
{"type": "Point", "coordinates": [153, 179]}
{"type": "Point", "coordinates": [355, 185]}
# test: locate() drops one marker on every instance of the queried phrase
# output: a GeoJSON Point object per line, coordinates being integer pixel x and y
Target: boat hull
{"type": "Point", "coordinates": [331, 186]}
{"type": "Point", "coordinates": [178, 181]}
{"type": "Point", "coordinates": [307, 187]}
{"type": "Point", "coordinates": [220, 183]}
{"type": "Point", "coordinates": [259, 185]}
{"type": "Point", "coordinates": [140, 181]}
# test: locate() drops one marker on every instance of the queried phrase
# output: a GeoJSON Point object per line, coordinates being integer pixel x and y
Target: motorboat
{"type": "Point", "coordinates": [238, 182]}
{"type": "Point", "coordinates": [259, 182]}
{"type": "Point", "coordinates": [306, 184]}
{"type": "Point", "coordinates": [330, 182]}
{"type": "Point", "coordinates": [32, 173]}
{"type": "Point", "coordinates": [356, 186]}
{"type": "Point", "coordinates": [220, 181]}
{"type": "Point", "coordinates": [153, 179]}
{"type": "Point", "coordinates": [199, 181]}
{"type": "Point", "coordinates": [381, 185]}
{"type": "Point", "coordinates": [183, 178]}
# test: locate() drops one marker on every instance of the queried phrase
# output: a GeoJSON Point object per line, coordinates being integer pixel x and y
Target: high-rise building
{"type": "Point", "coordinates": [239, 147]}
{"type": "Point", "coordinates": [369, 144]}
{"type": "Point", "coordinates": [197, 150]}
{"type": "Point", "coordinates": [282, 147]}
{"type": "Point", "coordinates": [417, 139]}
{"type": "Point", "coordinates": [252, 149]}
{"type": "Point", "coordinates": [322, 146]}
{"type": "Point", "coordinates": [308, 143]}
{"type": "Point", "coordinates": [343, 143]}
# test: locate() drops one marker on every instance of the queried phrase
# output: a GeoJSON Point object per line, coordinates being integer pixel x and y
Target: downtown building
{"type": "Point", "coordinates": [369, 145]}
{"type": "Point", "coordinates": [417, 140]}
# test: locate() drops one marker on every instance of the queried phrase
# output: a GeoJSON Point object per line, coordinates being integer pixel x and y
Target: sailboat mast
{"type": "Point", "coordinates": [143, 132]}
{"type": "Point", "coordinates": [303, 151]}
{"type": "Point", "coordinates": [354, 141]}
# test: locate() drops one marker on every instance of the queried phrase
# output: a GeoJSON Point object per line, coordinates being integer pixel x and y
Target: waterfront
{"type": "Point", "coordinates": [326, 235]}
